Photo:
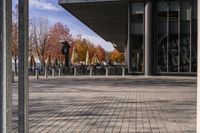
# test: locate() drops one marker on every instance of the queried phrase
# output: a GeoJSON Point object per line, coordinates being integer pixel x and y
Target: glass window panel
{"type": "Point", "coordinates": [173, 36]}
{"type": "Point", "coordinates": [177, 35]}
{"type": "Point", "coordinates": [137, 37]}
{"type": "Point", "coordinates": [162, 36]}
{"type": "Point", "coordinates": [185, 36]}
{"type": "Point", "coordinates": [194, 37]}
{"type": "Point", "coordinates": [137, 8]}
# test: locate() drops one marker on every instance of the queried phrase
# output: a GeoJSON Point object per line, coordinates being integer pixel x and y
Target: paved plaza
{"type": "Point", "coordinates": [133, 104]}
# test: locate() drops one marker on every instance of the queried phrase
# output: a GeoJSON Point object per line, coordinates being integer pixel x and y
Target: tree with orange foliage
{"type": "Point", "coordinates": [57, 33]}
{"type": "Point", "coordinates": [83, 45]}
{"type": "Point", "coordinates": [117, 56]}
{"type": "Point", "coordinates": [100, 53]}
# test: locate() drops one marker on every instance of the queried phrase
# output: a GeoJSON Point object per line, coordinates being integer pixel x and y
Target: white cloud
{"type": "Point", "coordinates": [99, 41]}
{"type": "Point", "coordinates": [43, 5]}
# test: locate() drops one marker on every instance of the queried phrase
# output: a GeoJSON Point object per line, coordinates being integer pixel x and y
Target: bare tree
{"type": "Point", "coordinates": [15, 37]}
{"type": "Point", "coordinates": [39, 33]}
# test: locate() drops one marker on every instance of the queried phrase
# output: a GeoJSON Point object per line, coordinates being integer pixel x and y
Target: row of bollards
{"type": "Point", "coordinates": [46, 73]}
{"type": "Point", "coordinates": [107, 71]}
{"type": "Point", "coordinates": [75, 73]}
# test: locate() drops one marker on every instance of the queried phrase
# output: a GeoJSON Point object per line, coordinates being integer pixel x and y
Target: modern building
{"type": "Point", "coordinates": [159, 37]}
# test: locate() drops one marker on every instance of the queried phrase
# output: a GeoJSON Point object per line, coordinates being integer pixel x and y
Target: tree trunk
{"type": "Point", "coordinates": [15, 66]}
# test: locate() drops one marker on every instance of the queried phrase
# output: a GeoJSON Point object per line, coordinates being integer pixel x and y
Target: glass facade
{"type": "Point", "coordinates": [176, 36]}
{"type": "Point", "coordinates": [137, 37]}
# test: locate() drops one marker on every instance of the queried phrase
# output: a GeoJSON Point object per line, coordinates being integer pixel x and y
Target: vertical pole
{"type": "Point", "coordinates": [107, 71]}
{"type": "Point", "coordinates": [148, 37]}
{"type": "Point", "coordinates": [37, 74]}
{"type": "Point", "coordinates": [45, 73]}
{"type": "Point", "coordinates": [5, 66]}
{"type": "Point", "coordinates": [198, 69]}
{"type": "Point", "coordinates": [23, 123]}
{"type": "Point", "coordinates": [129, 63]}
{"type": "Point", "coordinates": [59, 72]}
{"type": "Point", "coordinates": [75, 70]}
{"type": "Point", "coordinates": [53, 72]}
{"type": "Point", "coordinates": [123, 71]}
{"type": "Point", "coordinates": [90, 71]}
{"type": "Point", "coordinates": [13, 76]}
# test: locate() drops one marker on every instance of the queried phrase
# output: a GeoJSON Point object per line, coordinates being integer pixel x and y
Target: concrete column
{"type": "Point", "coordinates": [198, 69]}
{"type": "Point", "coordinates": [23, 122]}
{"type": "Point", "coordinates": [5, 66]}
{"type": "Point", "coordinates": [148, 36]}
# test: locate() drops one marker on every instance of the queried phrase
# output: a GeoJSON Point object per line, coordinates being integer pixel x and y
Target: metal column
{"type": "Point", "coordinates": [198, 69]}
{"type": "Point", "coordinates": [23, 124]}
{"type": "Point", "coordinates": [5, 66]}
{"type": "Point", "coordinates": [148, 37]}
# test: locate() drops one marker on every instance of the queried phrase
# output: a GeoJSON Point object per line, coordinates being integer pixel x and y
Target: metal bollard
{"type": "Point", "coordinates": [75, 70]}
{"type": "Point", "coordinates": [37, 74]}
{"type": "Point", "coordinates": [123, 71]}
{"type": "Point", "coordinates": [53, 72]}
{"type": "Point", "coordinates": [46, 74]}
{"type": "Point", "coordinates": [59, 72]}
{"type": "Point", "coordinates": [90, 71]}
{"type": "Point", "coordinates": [107, 71]}
{"type": "Point", "coordinates": [13, 76]}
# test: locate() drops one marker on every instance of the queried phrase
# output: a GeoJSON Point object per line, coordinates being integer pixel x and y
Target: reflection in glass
{"type": "Point", "coordinates": [173, 36]}
{"type": "Point", "coordinates": [162, 36]}
{"type": "Point", "coordinates": [137, 41]}
{"type": "Point", "coordinates": [194, 37]}
{"type": "Point", "coordinates": [185, 18]}
{"type": "Point", "coordinates": [177, 35]}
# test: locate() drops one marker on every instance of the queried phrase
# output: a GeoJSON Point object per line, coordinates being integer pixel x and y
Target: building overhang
{"type": "Point", "coordinates": [108, 18]}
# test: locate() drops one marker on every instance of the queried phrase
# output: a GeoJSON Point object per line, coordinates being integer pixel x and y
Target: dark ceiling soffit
{"type": "Point", "coordinates": [84, 1]}
{"type": "Point", "coordinates": [63, 3]}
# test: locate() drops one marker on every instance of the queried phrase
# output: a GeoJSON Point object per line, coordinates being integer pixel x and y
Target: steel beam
{"type": "Point", "coordinates": [23, 92]}
{"type": "Point", "coordinates": [5, 66]}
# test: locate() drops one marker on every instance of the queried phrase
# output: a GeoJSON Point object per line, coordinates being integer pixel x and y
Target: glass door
{"type": "Point", "coordinates": [137, 37]}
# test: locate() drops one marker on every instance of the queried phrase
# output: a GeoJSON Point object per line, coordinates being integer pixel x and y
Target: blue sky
{"type": "Point", "coordinates": [55, 13]}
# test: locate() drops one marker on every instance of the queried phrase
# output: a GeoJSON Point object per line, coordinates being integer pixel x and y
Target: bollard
{"type": "Point", "coordinates": [75, 70]}
{"type": "Point", "coordinates": [46, 74]}
{"type": "Point", "coordinates": [59, 72]}
{"type": "Point", "coordinates": [53, 72]}
{"type": "Point", "coordinates": [13, 76]}
{"type": "Point", "coordinates": [90, 71]}
{"type": "Point", "coordinates": [37, 74]}
{"type": "Point", "coordinates": [107, 71]}
{"type": "Point", "coordinates": [123, 71]}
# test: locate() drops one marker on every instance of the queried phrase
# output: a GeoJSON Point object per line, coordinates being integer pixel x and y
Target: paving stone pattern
{"type": "Point", "coordinates": [111, 105]}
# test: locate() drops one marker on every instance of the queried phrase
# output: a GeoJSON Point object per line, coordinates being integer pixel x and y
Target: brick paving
{"type": "Point", "coordinates": [111, 104]}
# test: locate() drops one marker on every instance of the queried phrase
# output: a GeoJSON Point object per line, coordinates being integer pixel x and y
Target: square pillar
{"type": "Point", "coordinates": [23, 93]}
{"type": "Point", "coordinates": [5, 66]}
{"type": "Point", "coordinates": [198, 67]}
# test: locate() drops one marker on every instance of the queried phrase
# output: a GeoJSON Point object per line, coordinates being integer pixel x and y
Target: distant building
{"type": "Point", "coordinates": [157, 36]}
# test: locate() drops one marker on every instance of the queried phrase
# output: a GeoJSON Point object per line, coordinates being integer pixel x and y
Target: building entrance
{"type": "Point", "coordinates": [137, 38]}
